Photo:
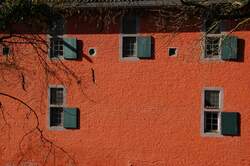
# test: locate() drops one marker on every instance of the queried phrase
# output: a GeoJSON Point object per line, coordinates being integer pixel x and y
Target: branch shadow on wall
{"type": "Point", "coordinates": [78, 118]}
{"type": "Point", "coordinates": [80, 53]}
{"type": "Point", "coordinates": [240, 50]}
{"type": "Point", "coordinates": [239, 124]}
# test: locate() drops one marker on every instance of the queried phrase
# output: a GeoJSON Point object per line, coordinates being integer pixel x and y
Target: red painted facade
{"type": "Point", "coordinates": [144, 112]}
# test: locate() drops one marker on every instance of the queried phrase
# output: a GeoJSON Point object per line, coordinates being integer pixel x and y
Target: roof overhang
{"type": "Point", "coordinates": [126, 3]}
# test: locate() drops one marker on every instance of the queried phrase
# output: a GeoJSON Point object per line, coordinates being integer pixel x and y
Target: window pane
{"type": "Point", "coordinates": [211, 122]}
{"type": "Point", "coordinates": [56, 26]}
{"type": "Point", "coordinates": [214, 121]}
{"type": "Point", "coordinates": [56, 46]}
{"type": "Point", "coordinates": [129, 47]}
{"type": "Point", "coordinates": [213, 27]}
{"type": "Point", "coordinates": [129, 25]}
{"type": "Point", "coordinates": [212, 46]}
{"type": "Point", "coordinates": [6, 50]}
{"type": "Point", "coordinates": [212, 98]}
{"type": "Point", "coordinates": [61, 47]}
{"type": "Point", "coordinates": [56, 96]}
{"type": "Point", "coordinates": [60, 53]}
{"type": "Point", "coordinates": [214, 127]}
{"type": "Point", "coordinates": [56, 116]}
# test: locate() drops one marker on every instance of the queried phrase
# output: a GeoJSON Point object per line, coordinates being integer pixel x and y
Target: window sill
{"type": "Point", "coordinates": [129, 58]}
{"type": "Point", "coordinates": [211, 134]}
{"type": "Point", "coordinates": [211, 59]}
{"type": "Point", "coordinates": [56, 58]}
{"type": "Point", "coordinates": [58, 128]}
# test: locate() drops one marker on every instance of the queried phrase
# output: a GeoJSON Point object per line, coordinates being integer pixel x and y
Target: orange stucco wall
{"type": "Point", "coordinates": [137, 113]}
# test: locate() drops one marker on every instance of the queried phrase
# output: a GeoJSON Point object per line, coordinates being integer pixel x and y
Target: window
{"type": "Point", "coordinates": [130, 24]}
{"type": "Point", "coordinates": [211, 122]}
{"type": "Point", "coordinates": [129, 31]}
{"type": "Point", "coordinates": [212, 99]}
{"type": "Point", "coordinates": [92, 51]}
{"type": "Point", "coordinates": [61, 47]}
{"type": "Point", "coordinates": [56, 47]}
{"type": "Point", "coordinates": [129, 47]}
{"type": "Point", "coordinates": [213, 40]}
{"type": "Point", "coordinates": [213, 46]}
{"type": "Point", "coordinates": [56, 25]}
{"type": "Point", "coordinates": [219, 45]}
{"type": "Point", "coordinates": [60, 116]}
{"type": "Point", "coordinates": [56, 28]}
{"type": "Point", "coordinates": [214, 120]}
{"type": "Point", "coordinates": [6, 51]}
{"type": "Point", "coordinates": [172, 51]}
{"type": "Point", "coordinates": [56, 105]}
{"type": "Point", "coordinates": [133, 45]}
{"type": "Point", "coordinates": [212, 111]}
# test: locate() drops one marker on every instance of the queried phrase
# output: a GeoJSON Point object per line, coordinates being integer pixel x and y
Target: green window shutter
{"type": "Point", "coordinates": [229, 48]}
{"type": "Point", "coordinates": [70, 118]}
{"type": "Point", "coordinates": [70, 48]}
{"type": "Point", "coordinates": [144, 47]}
{"type": "Point", "coordinates": [230, 123]}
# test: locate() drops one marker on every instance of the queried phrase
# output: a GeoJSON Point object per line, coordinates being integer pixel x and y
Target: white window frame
{"type": "Point", "coordinates": [49, 47]}
{"type": "Point", "coordinates": [136, 45]}
{"type": "Point", "coordinates": [205, 35]}
{"type": "Point", "coordinates": [219, 110]}
{"type": "Point", "coordinates": [52, 34]}
{"type": "Point", "coordinates": [123, 35]}
{"type": "Point", "coordinates": [219, 46]}
{"type": "Point", "coordinates": [59, 106]}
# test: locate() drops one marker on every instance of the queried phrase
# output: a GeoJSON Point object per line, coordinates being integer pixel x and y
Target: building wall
{"type": "Point", "coordinates": [143, 112]}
